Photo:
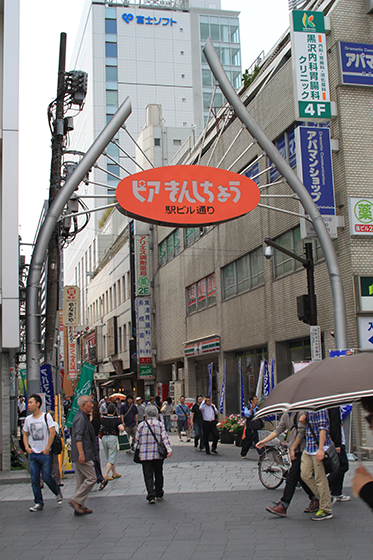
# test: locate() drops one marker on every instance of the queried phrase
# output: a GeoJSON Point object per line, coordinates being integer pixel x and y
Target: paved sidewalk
{"type": "Point", "coordinates": [214, 508]}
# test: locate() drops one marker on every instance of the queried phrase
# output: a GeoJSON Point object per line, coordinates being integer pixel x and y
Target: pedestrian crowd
{"type": "Point", "coordinates": [310, 435]}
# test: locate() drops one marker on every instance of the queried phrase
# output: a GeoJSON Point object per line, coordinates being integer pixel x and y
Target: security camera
{"type": "Point", "coordinates": [268, 252]}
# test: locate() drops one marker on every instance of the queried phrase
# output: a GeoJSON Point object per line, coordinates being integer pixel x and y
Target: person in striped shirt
{"type": "Point", "coordinates": [152, 465]}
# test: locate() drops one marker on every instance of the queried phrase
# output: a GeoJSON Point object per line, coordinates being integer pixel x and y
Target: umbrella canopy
{"type": "Point", "coordinates": [118, 396]}
{"type": "Point", "coordinates": [332, 382]}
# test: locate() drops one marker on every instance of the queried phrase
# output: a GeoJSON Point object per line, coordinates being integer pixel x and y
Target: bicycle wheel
{"type": "Point", "coordinates": [271, 469]}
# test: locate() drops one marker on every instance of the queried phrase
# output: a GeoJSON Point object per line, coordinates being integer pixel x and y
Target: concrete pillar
{"type": "Point", "coordinates": [4, 412]}
{"type": "Point", "coordinates": [190, 378]}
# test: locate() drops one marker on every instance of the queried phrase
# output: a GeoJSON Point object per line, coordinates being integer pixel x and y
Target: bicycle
{"type": "Point", "coordinates": [273, 466]}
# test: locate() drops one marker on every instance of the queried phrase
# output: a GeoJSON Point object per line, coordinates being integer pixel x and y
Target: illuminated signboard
{"type": "Point", "coordinates": [187, 195]}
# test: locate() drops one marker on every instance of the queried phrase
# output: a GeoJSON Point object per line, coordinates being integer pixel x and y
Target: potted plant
{"type": "Point", "coordinates": [237, 429]}
{"type": "Point", "coordinates": [226, 436]}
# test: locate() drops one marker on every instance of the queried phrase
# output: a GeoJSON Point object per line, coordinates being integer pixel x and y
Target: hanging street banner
{"type": "Point", "coordinates": [144, 338]}
{"type": "Point", "coordinates": [83, 388]}
{"type": "Point", "coordinates": [71, 306]}
{"type": "Point", "coordinates": [310, 70]}
{"type": "Point", "coordinates": [23, 375]}
{"type": "Point", "coordinates": [142, 265]}
{"type": "Point", "coordinates": [360, 214]}
{"type": "Point", "coordinates": [46, 385]}
{"type": "Point", "coordinates": [222, 391]}
{"type": "Point", "coordinates": [210, 380]}
{"type": "Point", "coordinates": [187, 195]}
{"type": "Point", "coordinates": [72, 368]}
{"type": "Point", "coordinates": [355, 64]}
{"type": "Point", "coordinates": [242, 393]}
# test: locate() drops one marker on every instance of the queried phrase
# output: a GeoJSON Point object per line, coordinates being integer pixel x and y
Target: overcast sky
{"type": "Point", "coordinates": [261, 22]}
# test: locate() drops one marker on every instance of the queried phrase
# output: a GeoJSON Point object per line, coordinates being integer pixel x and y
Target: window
{"type": "Point", "coordinates": [224, 30]}
{"type": "Point", "coordinates": [112, 169]}
{"type": "Point", "coordinates": [290, 240]}
{"type": "Point", "coordinates": [157, 141]}
{"type": "Point", "coordinates": [119, 340]}
{"type": "Point", "coordinates": [201, 294]}
{"type": "Point", "coordinates": [111, 50]}
{"type": "Point", "coordinates": [206, 77]}
{"type": "Point", "coordinates": [169, 247]}
{"type": "Point", "coordinates": [235, 32]}
{"type": "Point", "coordinates": [183, 99]}
{"type": "Point", "coordinates": [182, 53]}
{"type": "Point", "coordinates": [112, 97]}
{"type": "Point", "coordinates": [110, 26]}
{"type": "Point", "coordinates": [192, 235]}
{"type": "Point", "coordinates": [214, 28]}
{"type": "Point", "coordinates": [286, 146]}
{"type": "Point", "coordinates": [253, 172]}
{"type": "Point", "coordinates": [111, 73]}
{"type": "Point", "coordinates": [176, 142]}
{"type": "Point", "coordinates": [243, 274]}
{"type": "Point", "coordinates": [204, 27]}
{"type": "Point", "coordinates": [182, 76]}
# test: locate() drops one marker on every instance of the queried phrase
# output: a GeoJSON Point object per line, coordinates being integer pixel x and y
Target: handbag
{"type": "Point", "coordinates": [56, 446]}
{"type": "Point", "coordinates": [163, 408]}
{"type": "Point", "coordinates": [161, 448]}
{"type": "Point", "coordinates": [136, 457]}
{"type": "Point", "coordinates": [123, 443]}
{"type": "Point", "coordinates": [331, 459]}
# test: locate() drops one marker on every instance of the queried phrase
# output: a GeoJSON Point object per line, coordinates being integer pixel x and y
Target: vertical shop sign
{"type": "Point", "coordinates": [310, 70]}
{"type": "Point", "coordinates": [71, 341]}
{"type": "Point", "coordinates": [71, 306]}
{"type": "Point", "coordinates": [142, 265]}
{"type": "Point", "coordinates": [144, 337]}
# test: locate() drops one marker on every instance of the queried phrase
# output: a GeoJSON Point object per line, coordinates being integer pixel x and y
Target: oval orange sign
{"type": "Point", "coordinates": [187, 195]}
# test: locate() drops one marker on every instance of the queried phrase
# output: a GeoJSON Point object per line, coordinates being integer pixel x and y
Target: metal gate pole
{"type": "Point", "coordinates": [339, 308]}
{"type": "Point", "coordinates": [38, 256]}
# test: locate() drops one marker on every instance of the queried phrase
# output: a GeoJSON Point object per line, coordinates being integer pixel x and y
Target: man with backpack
{"type": "Point", "coordinates": [291, 421]}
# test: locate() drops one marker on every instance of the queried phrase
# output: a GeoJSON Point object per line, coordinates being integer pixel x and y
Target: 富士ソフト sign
{"type": "Point", "coordinates": [187, 195]}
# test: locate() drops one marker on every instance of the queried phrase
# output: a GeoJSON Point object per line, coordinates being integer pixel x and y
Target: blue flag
{"type": "Point", "coordinates": [241, 385]}
{"type": "Point", "coordinates": [46, 385]}
{"type": "Point", "coordinates": [222, 392]}
{"type": "Point", "coordinates": [273, 374]}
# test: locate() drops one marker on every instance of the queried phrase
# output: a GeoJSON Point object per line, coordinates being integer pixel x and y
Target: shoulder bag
{"type": "Point", "coordinates": [161, 448]}
{"type": "Point", "coordinates": [331, 460]}
{"type": "Point", "coordinates": [56, 446]}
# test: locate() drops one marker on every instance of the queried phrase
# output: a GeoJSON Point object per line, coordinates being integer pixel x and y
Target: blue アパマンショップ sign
{"type": "Point", "coordinates": [356, 64]}
{"type": "Point", "coordinates": [314, 166]}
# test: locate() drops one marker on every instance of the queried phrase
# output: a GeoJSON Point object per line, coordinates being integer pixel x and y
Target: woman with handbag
{"type": "Point", "coordinates": [153, 447]}
{"type": "Point", "coordinates": [111, 426]}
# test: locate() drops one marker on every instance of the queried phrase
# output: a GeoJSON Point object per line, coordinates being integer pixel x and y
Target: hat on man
{"type": "Point", "coordinates": [138, 398]}
{"type": "Point", "coordinates": [151, 411]}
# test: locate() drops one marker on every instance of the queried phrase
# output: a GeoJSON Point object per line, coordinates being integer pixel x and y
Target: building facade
{"type": "Point", "coordinates": [9, 242]}
{"type": "Point", "coordinates": [217, 299]}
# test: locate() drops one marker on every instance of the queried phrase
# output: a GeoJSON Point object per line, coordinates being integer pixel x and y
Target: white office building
{"type": "Point", "coordinates": [149, 50]}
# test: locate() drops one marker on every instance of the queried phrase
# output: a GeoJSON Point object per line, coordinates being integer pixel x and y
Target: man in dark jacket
{"type": "Point", "coordinates": [83, 454]}
{"type": "Point", "coordinates": [335, 479]}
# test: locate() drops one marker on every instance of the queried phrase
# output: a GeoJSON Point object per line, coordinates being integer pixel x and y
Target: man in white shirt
{"type": "Point", "coordinates": [209, 415]}
{"type": "Point", "coordinates": [38, 436]}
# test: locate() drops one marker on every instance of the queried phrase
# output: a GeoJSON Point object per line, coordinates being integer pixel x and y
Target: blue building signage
{"type": "Point", "coordinates": [314, 166]}
{"type": "Point", "coordinates": [147, 20]}
{"type": "Point", "coordinates": [356, 64]}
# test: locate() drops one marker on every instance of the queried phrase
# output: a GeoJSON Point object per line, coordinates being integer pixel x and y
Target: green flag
{"type": "Point", "coordinates": [23, 375]}
{"type": "Point", "coordinates": [84, 388]}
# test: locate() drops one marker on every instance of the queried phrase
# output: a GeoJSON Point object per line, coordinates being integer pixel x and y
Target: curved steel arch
{"type": "Point", "coordinates": [339, 309]}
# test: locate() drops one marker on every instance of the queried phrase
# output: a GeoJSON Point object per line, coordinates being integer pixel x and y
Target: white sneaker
{"type": "Point", "coordinates": [343, 498]}
{"type": "Point", "coordinates": [334, 499]}
{"type": "Point", "coordinates": [59, 498]}
{"type": "Point", "coordinates": [36, 507]}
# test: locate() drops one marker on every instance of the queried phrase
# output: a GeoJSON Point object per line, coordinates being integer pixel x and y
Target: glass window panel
{"type": "Point", "coordinates": [229, 76]}
{"type": "Point", "coordinates": [111, 73]}
{"type": "Point", "coordinates": [235, 57]}
{"type": "Point", "coordinates": [242, 269]}
{"type": "Point", "coordinates": [112, 97]}
{"type": "Point", "coordinates": [113, 150]}
{"type": "Point", "coordinates": [201, 294]}
{"type": "Point", "coordinates": [192, 298]}
{"type": "Point", "coordinates": [218, 99]}
{"type": "Point", "coordinates": [206, 77]}
{"type": "Point", "coordinates": [170, 247]}
{"type": "Point", "coordinates": [203, 60]}
{"type": "Point", "coordinates": [177, 241]}
{"type": "Point", "coordinates": [110, 13]}
{"type": "Point", "coordinates": [110, 25]}
{"type": "Point", "coordinates": [111, 50]}
{"type": "Point", "coordinates": [229, 280]}
{"type": "Point", "coordinates": [235, 32]}
{"type": "Point", "coordinates": [224, 30]}
{"type": "Point", "coordinates": [253, 172]}
{"type": "Point", "coordinates": [214, 29]}
{"type": "Point", "coordinates": [225, 55]}
{"type": "Point", "coordinates": [113, 169]}
{"type": "Point", "coordinates": [211, 289]}
{"type": "Point", "coordinates": [292, 147]}
{"type": "Point", "coordinates": [163, 253]}
{"type": "Point", "coordinates": [237, 82]}
{"type": "Point", "coordinates": [207, 100]}
{"type": "Point", "coordinates": [204, 30]}
{"type": "Point", "coordinates": [287, 266]}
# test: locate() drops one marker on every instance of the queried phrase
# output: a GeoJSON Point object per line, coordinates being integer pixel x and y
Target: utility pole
{"type": "Point", "coordinates": [54, 268]}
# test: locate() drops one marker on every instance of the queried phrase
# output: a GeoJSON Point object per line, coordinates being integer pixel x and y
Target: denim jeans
{"type": "Point", "coordinates": [198, 436]}
{"type": "Point", "coordinates": [167, 422]}
{"type": "Point", "coordinates": [42, 463]}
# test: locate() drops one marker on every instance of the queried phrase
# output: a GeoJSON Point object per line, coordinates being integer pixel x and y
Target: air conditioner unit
{"type": "Point", "coordinates": [369, 6]}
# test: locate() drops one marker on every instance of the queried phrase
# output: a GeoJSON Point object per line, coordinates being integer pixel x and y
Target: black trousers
{"type": "Point", "coordinates": [251, 438]}
{"type": "Point", "coordinates": [292, 478]}
{"type": "Point", "coordinates": [335, 478]}
{"type": "Point", "coordinates": [153, 477]}
{"type": "Point", "coordinates": [210, 428]}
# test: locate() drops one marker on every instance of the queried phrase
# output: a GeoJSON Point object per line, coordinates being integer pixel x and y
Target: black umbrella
{"type": "Point", "coordinates": [332, 382]}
